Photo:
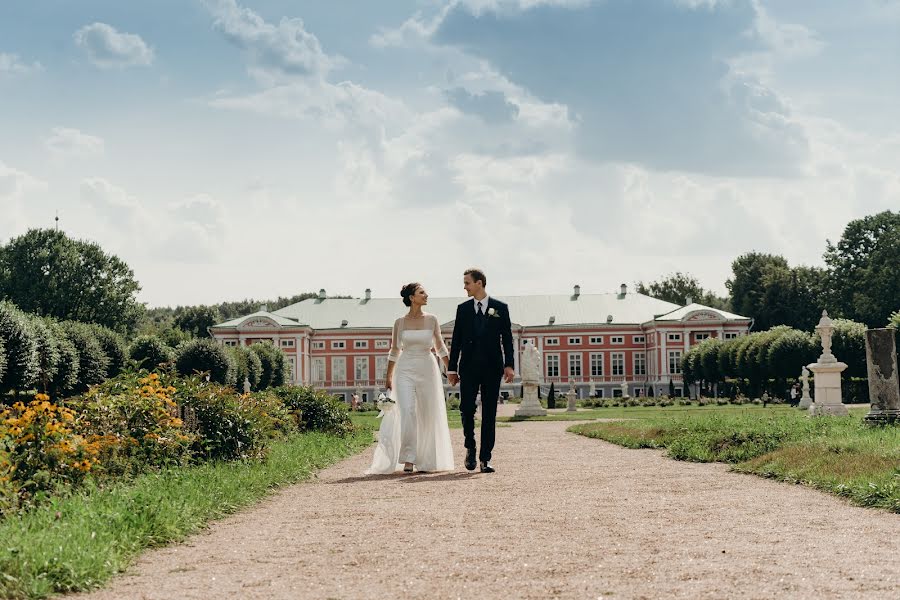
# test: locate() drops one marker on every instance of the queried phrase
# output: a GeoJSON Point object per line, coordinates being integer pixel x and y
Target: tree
{"type": "Point", "coordinates": [748, 286]}
{"type": "Point", "coordinates": [2, 362]}
{"type": "Point", "coordinates": [149, 352]}
{"type": "Point", "coordinates": [865, 268]}
{"type": "Point", "coordinates": [788, 354]}
{"type": "Point", "coordinates": [848, 344]}
{"type": "Point", "coordinates": [247, 365]}
{"type": "Point", "coordinates": [205, 356]}
{"type": "Point", "coordinates": [113, 347]}
{"type": "Point", "coordinates": [196, 320]}
{"type": "Point", "coordinates": [65, 381]}
{"type": "Point", "coordinates": [22, 360]}
{"type": "Point", "coordinates": [92, 360]}
{"type": "Point", "coordinates": [677, 288]}
{"type": "Point", "coordinates": [48, 351]}
{"type": "Point", "coordinates": [273, 365]}
{"type": "Point", "coordinates": [47, 273]}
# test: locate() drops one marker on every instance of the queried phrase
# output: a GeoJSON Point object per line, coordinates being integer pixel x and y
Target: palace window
{"type": "Point", "coordinates": [674, 337]}
{"type": "Point", "coordinates": [701, 336]}
{"type": "Point", "coordinates": [617, 361]}
{"type": "Point", "coordinates": [381, 344]}
{"type": "Point", "coordinates": [318, 370]}
{"type": "Point", "coordinates": [617, 339]}
{"type": "Point", "coordinates": [553, 365]}
{"type": "Point", "coordinates": [574, 365]}
{"type": "Point", "coordinates": [551, 342]}
{"type": "Point", "coordinates": [574, 341]}
{"type": "Point", "coordinates": [596, 364]}
{"type": "Point", "coordinates": [231, 342]}
{"type": "Point", "coordinates": [338, 345]}
{"type": "Point", "coordinates": [287, 343]}
{"type": "Point", "coordinates": [361, 368]}
{"type": "Point", "coordinates": [381, 365]}
{"type": "Point", "coordinates": [674, 362]}
{"type": "Point", "coordinates": [318, 345]}
{"type": "Point", "coordinates": [596, 340]}
{"type": "Point", "coordinates": [730, 335]}
{"type": "Point", "coordinates": [640, 363]}
{"type": "Point", "coordinates": [638, 339]}
{"type": "Point", "coordinates": [360, 344]}
{"type": "Point", "coordinates": [338, 368]}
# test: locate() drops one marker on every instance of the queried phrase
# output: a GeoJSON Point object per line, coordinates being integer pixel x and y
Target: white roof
{"type": "Point", "coordinates": [700, 312]}
{"type": "Point", "coordinates": [529, 311]}
{"type": "Point", "coordinates": [260, 318]}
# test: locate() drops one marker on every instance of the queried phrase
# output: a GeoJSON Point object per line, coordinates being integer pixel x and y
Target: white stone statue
{"type": "Point", "coordinates": [624, 386]}
{"type": "Point", "coordinates": [826, 330]}
{"type": "Point", "coordinates": [246, 385]}
{"type": "Point", "coordinates": [531, 364]}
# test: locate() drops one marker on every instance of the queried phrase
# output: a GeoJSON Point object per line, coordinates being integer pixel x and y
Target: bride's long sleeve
{"type": "Point", "coordinates": [395, 341]}
{"type": "Point", "coordinates": [439, 345]}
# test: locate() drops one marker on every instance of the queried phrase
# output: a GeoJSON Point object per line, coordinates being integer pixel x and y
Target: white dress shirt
{"type": "Point", "coordinates": [484, 309]}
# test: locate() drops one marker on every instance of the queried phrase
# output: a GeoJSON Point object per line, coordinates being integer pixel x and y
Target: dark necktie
{"type": "Point", "coordinates": [479, 319]}
{"type": "Point", "coordinates": [480, 313]}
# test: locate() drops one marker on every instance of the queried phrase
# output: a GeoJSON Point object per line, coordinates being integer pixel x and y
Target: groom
{"type": "Point", "coordinates": [482, 334]}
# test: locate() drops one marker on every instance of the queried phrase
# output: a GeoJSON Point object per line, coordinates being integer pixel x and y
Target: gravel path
{"type": "Point", "coordinates": [565, 516]}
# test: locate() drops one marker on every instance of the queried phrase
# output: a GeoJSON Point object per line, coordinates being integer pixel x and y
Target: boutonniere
{"type": "Point", "coordinates": [493, 313]}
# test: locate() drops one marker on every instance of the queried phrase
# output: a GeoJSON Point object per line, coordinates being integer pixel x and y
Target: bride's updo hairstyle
{"type": "Point", "coordinates": [407, 292]}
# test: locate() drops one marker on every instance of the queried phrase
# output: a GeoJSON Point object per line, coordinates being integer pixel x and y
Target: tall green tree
{"type": "Point", "coordinates": [196, 320]}
{"type": "Point", "coordinates": [753, 273]}
{"type": "Point", "coordinates": [50, 274]}
{"type": "Point", "coordinates": [865, 268]}
{"type": "Point", "coordinates": [677, 288]}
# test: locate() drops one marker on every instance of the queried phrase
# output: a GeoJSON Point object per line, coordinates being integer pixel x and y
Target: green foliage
{"type": "Point", "coordinates": [92, 360]}
{"type": "Point", "coordinates": [2, 361]}
{"type": "Point", "coordinates": [894, 321]}
{"type": "Point", "coordinates": [848, 344]}
{"type": "Point", "coordinates": [709, 350]}
{"type": "Point", "coordinates": [677, 288]}
{"type": "Point", "coordinates": [48, 352]}
{"type": "Point", "coordinates": [247, 365]}
{"type": "Point", "coordinates": [173, 337]}
{"type": "Point", "coordinates": [148, 352]}
{"type": "Point", "coordinates": [205, 356]}
{"type": "Point", "coordinates": [865, 267]}
{"type": "Point", "coordinates": [47, 273]}
{"type": "Point", "coordinates": [196, 320]}
{"type": "Point", "coordinates": [65, 380]}
{"type": "Point", "coordinates": [113, 346]}
{"type": "Point", "coordinates": [21, 347]}
{"type": "Point", "coordinates": [789, 353]}
{"type": "Point", "coordinates": [316, 410]}
{"type": "Point", "coordinates": [273, 365]}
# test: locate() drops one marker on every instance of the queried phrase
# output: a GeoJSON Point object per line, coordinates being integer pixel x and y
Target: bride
{"type": "Point", "coordinates": [419, 436]}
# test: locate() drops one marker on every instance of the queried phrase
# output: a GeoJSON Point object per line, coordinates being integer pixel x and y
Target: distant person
{"type": "Point", "coordinates": [354, 402]}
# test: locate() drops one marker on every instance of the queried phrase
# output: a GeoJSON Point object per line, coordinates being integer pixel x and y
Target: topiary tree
{"type": "Point", "coordinates": [2, 362]}
{"type": "Point", "coordinates": [248, 365]}
{"type": "Point", "coordinates": [113, 346]}
{"type": "Point", "coordinates": [205, 356]}
{"type": "Point", "coordinates": [148, 351]}
{"type": "Point", "coordinates": [65, 381]}
{"type": "Point", "coordinates": [48, 351]}
{"type": "Point", "coordinates": [788, 354]}
{"type": "Point", "coordinates": [92, 360]}
{"type": "Point", "coordinates": [272, 360]}
{"type": "Point", "coordinates": [22, 360]}
{"type": "Point", "coordinates": [708, 360]}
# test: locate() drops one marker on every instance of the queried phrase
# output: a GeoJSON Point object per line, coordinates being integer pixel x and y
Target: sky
{"type": "Point", "coordinates": [228, 149]}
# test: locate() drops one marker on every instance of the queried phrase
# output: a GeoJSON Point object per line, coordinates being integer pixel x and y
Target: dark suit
{"type": "Point", "coordinates": [479, 351]}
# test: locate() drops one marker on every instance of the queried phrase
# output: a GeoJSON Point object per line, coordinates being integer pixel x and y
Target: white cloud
{"type": "Point", "coordinates": [12, 63]}
{"type": "Point", "coordinates": [18, 192]}
{"type": "Point", "coordinates": [108, 48]}
{"type": "Point", "coordinates": [65, 142]}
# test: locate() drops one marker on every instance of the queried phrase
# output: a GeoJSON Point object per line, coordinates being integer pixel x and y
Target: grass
{"type": "Point", "coordinates": [78, 542]}
{"type": "Point", "coordinates": [641, 412]}
{"type": "Point", "coordinates": [840, 455]}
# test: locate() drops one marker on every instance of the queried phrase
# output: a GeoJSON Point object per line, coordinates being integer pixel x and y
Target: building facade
{"type": "Point", "coordinates": [602, 344]}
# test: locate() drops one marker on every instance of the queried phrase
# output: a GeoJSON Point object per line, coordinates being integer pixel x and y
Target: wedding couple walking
{"type": "Point", "coordinates": [415, 433]}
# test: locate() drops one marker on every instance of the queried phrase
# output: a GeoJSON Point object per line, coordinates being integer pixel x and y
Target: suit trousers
{"type": "Point", "coordinates": [487, 381]}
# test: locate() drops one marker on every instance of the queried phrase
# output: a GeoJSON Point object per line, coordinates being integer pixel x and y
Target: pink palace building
{"type": "Point", "coordinates": [595, 341]}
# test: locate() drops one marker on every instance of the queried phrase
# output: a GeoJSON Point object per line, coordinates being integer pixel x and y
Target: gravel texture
{"type": "Point", "coordinates": [564, 517]}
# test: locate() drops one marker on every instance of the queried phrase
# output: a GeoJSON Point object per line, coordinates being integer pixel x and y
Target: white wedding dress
{"type": "Point", "coordinates": [416, 430]}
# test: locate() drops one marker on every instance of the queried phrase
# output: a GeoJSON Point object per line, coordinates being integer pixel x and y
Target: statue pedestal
{"type": "Point", "coordinates": [828, 389]}
{"type": "Point", "coordinates": [571, 398]}
{"type": "Point", "coordinates": [530, 406]}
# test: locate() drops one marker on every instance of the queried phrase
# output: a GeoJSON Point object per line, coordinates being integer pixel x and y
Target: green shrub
{"type": "Point", "coordinates": [315, 409]}
{"type": "Point", "coordinates": [227, 427]}
{"type": "Point", "coordinates": [273, 365]}
{"type": "Point", "coordinates": [22, 362]}
{"type": "Point", "coordinates": [453, 403]}
{"type": "Point", "coordinates": [2, 361]}
{"type": "Point", "coordinates": [65, 380]}
{"type": "Point", "coordinates": [247, 366]}
{"type": "Point", "coordinates": [149, 352]}
{"type": "Point", "coordinates": [205, 356]}
{"type": "Point", "coordinates": [366, 407]}
{"type": "Point", "coordinates": [113, 346]}
{"type": "Point", "coordinates": [92, 360]}
{"type": "Point", "coordinates": [48, 352]}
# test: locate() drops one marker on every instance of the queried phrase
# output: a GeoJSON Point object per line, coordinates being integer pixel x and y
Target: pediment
{"type": "Point", "coordinates": [703, 315]}
{"type": "Point", "coordinates": [259, 322]}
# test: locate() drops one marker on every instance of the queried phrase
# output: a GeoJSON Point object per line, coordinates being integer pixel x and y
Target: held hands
{"type": "Point", "coordinates": [508, 374]}
{"type": "Point", "coordinates": [452, 378]}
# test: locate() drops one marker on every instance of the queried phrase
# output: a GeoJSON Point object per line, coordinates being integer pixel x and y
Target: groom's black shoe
{"type": "Point", "coordinates": [470, 459]}
{"type": "Point", "coordinates": [486, 467]}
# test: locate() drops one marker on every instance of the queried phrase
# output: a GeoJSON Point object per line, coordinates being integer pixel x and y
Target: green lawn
{"type": "Point", "coordinates": [841, 455]}
{"type": "Point", "coordinates": [78, 542]}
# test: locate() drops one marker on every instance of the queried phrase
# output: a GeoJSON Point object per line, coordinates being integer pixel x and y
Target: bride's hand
{"type": "Point", "coordinates": [387, 384]}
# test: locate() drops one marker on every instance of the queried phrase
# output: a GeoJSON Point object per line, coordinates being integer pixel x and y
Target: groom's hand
{"type": "Point", "coordinates": [452, 378]}
{"type": "Point", "coordinates": [508, 374]}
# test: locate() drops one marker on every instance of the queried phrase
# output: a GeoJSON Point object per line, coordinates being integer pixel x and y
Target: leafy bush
{"type": "Point", "coordinates": [315, 409]}
{"type": "Point", "coordinates": [113, 346]}
{"type": "Point", "coordinates": [47, 350]}
{"type": "Point", "coordinates": [247, 366]}
{"type": "Point", "coordinates": [149, 352]}
{"type": "Point", "coordinates": [273, 365]}
{"type": "Point", "coordinates": [136, 414]}
{"type": "Point", "coordinates": [92, 360]}
{"type": "Point", "coordinates": [65, 380]}
{"type": "Point", "coordinates": [453, 403]}
{"type": "Point", "coordinates": [227, 427]}
{"type": "Point", "coordinates": [205, 356]}
{"type": "Point", "coordinates": [22, 362]}
{"type": "Point", "coordinates": [2, 361]}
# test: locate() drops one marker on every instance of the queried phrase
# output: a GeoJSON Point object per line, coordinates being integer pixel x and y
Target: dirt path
{"type": "Point", "coordinates": [564, 516]}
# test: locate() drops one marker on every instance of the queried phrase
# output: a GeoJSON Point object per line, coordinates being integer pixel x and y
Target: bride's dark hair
{"type": "Point", "coordinates": [407, 291]}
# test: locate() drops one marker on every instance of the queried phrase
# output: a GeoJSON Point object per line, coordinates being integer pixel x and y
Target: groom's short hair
{"type": "Point", "coordinates": [476, 275]}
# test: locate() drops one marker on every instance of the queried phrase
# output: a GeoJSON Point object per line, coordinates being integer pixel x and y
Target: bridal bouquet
{"type": "Point", "coordinates": [385, 403]}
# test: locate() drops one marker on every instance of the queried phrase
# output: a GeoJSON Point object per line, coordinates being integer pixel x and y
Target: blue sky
{"type": "Point", "coordinates": [229, 149]}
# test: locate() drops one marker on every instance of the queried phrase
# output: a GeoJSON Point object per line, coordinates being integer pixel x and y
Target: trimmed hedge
{"type": "Point", "coordinates": [65, 380]}
{"type": "Point", "coordinates": [48, 352]}
{"type": "Point", "coordinates": [149, 352]}
{"type": "Point", "coordinates": [92, 360]}
{"type": "Point", "coordinates": [21, 348]}
{"type": "Point", "coordinates": [315, 409]}
{"type": "Point", "coordinates": [247, 366]}
{"type": "Point", "coordinates": [113, 346]}
{"type": "Point", "coordinates": [205, 356]}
